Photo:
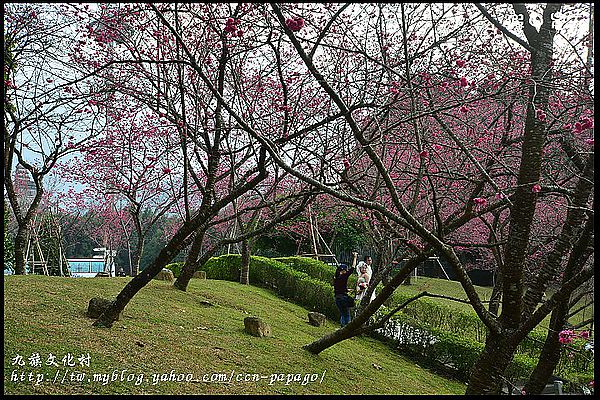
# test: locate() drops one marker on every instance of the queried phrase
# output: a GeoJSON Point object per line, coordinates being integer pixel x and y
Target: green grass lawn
{"type": "Point", "coordinates": [454, 289]}
{"type": "Point", "coordinates": [164, 330]}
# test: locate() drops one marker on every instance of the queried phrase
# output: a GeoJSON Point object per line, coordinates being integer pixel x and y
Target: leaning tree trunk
{"type": "Point", "coordinates": [171, 249]}
{"type": "Point", "coordinates": [191, 263]}
{"type": "Point", "coordinates": [356, 324]}
{"type": "Point", "coordinates": [550, 354]}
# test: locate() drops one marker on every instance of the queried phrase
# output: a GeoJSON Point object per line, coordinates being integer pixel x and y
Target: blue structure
{"type": "Point", "coordinates": [88, 267]}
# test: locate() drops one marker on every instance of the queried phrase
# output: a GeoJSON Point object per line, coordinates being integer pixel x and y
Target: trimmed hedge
{"type": "Point", "coordinates": [438, 334]}
{"type": "Point", "coordinates": [314, 268]}
{"type": "Point", "coordinates": [445, 349]}
{"type": "Point", "coordinates": [298, 286]}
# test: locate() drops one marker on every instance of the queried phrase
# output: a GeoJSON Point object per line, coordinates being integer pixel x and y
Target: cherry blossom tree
{"type": "Point", "coordinates": [489, 161]}
{"type": "Point", "coordinates": [45, 114]}
{"type": "Point", "coordinates": [135, 160]}
{"type": "Point", "coordinates": [454, 128]}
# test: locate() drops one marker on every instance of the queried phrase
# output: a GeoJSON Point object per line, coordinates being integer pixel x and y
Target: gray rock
{"type": "Point", "coordinates": [97, 305]}
{"type": "Point", "coordinates": [199, 275]}
{"type": "Point", "coordinates": [316, 319]}
{"type": "Point", "coordinates": [165, 275]}
{"type": "Point", "coordinates": [256, 327]}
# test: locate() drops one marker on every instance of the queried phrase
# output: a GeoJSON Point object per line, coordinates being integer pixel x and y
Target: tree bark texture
{"type": "Point", "coordinates": [487, 374]}
{"type": "Point", "coordinates": [245, 263]}
{"type": "Point", "coordinates": [191, 263]}
{"type": "Point", "coordinates": [550, 354]}
{"type": "Point", "coordinates": [20, 248]}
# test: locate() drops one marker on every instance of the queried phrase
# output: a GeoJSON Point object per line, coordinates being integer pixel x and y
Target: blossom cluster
{"type": "Point", "coordinates": [568, 335]}
{"type": "Point", "coordinates": [295, 24]}
{"type": "Point", "coordinates": [231, 26]}
{"type": "Point", "coordinates": [585, 123]}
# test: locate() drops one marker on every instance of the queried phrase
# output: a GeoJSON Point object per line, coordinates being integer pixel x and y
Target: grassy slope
{"type": "Point", "coordinates": [47, 315]}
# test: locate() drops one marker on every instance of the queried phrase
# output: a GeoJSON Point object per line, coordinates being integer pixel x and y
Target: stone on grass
{"type": "Point", "coordinates": [165, 275]}
{"type": "Point", "coordinates": [97, 305]}
{"type": "Point", "coordinates": [102, 275]}
{"type": "Point", "coordinates": [256, 327]}
{"type": "Point", "coordinates": [316, 319]}
{"type": "Point", "coordinates": [199, 275]}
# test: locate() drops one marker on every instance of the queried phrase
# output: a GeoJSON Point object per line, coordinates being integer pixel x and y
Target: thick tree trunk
{"type": "Point", "coordinates": [488, 372]}
{"type": "Point", "coordinates": [191, 263]}
{"type": "Point", "coordinates": [245, 263]}
{"type": "Point", "coordinates": [20, 249]}
{"type": "Point", "coordinates": [496, 295]}
{"type": "Point", "coordinates": [550, 355]}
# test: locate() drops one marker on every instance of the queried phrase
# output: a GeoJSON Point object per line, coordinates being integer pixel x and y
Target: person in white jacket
{"type": "Point", "coordinates": [362, 283]}
{"type": "Point", "coordinates": [366, 263]}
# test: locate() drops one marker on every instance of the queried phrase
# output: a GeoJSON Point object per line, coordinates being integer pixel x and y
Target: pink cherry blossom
{"type": "Point", "coordinates": [480, 201]}
{"type": "Point", "coordinates": [584, 334]}
{"type": "Point", "coordinates": [536, 188]}
{"type": "Point", "coordinates": [295, 24]}
{"type": "Point", "coordinates": [460, 63]}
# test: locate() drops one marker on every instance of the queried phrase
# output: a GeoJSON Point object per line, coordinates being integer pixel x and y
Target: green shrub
{"type": "Point", "coordinates": [315, 269]}
{"type": "Point", "coordinates": [176, 268]}
{"type": "Point", "coordinates": [520, 368]}
{"type": "Point", "coordinates": [573, 381]}
{"type": "Point", "coordinates": [298, 286]}
{"type": "Point", "coordinates": [442, 348]}
{"type": "Point", "coordinates": [440, 316]}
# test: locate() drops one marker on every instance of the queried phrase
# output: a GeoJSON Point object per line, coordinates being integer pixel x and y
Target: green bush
{"type": "Point", "coordinates": [575, 380]}
{"type": "Point", "coordinates": [176, 268]}
{"type": "Point", "coordinates": [298, 286]}
{"type": "Point", "coordinates": [315, 268]}
{"type": "Point", "coordinates": [441, 348]}
{"type": "Point", "coordinates": [440, 316]}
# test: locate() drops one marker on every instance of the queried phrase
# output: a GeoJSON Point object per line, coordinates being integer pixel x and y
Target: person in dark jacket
{"type": "Point", "coordinates": [340, 288]}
